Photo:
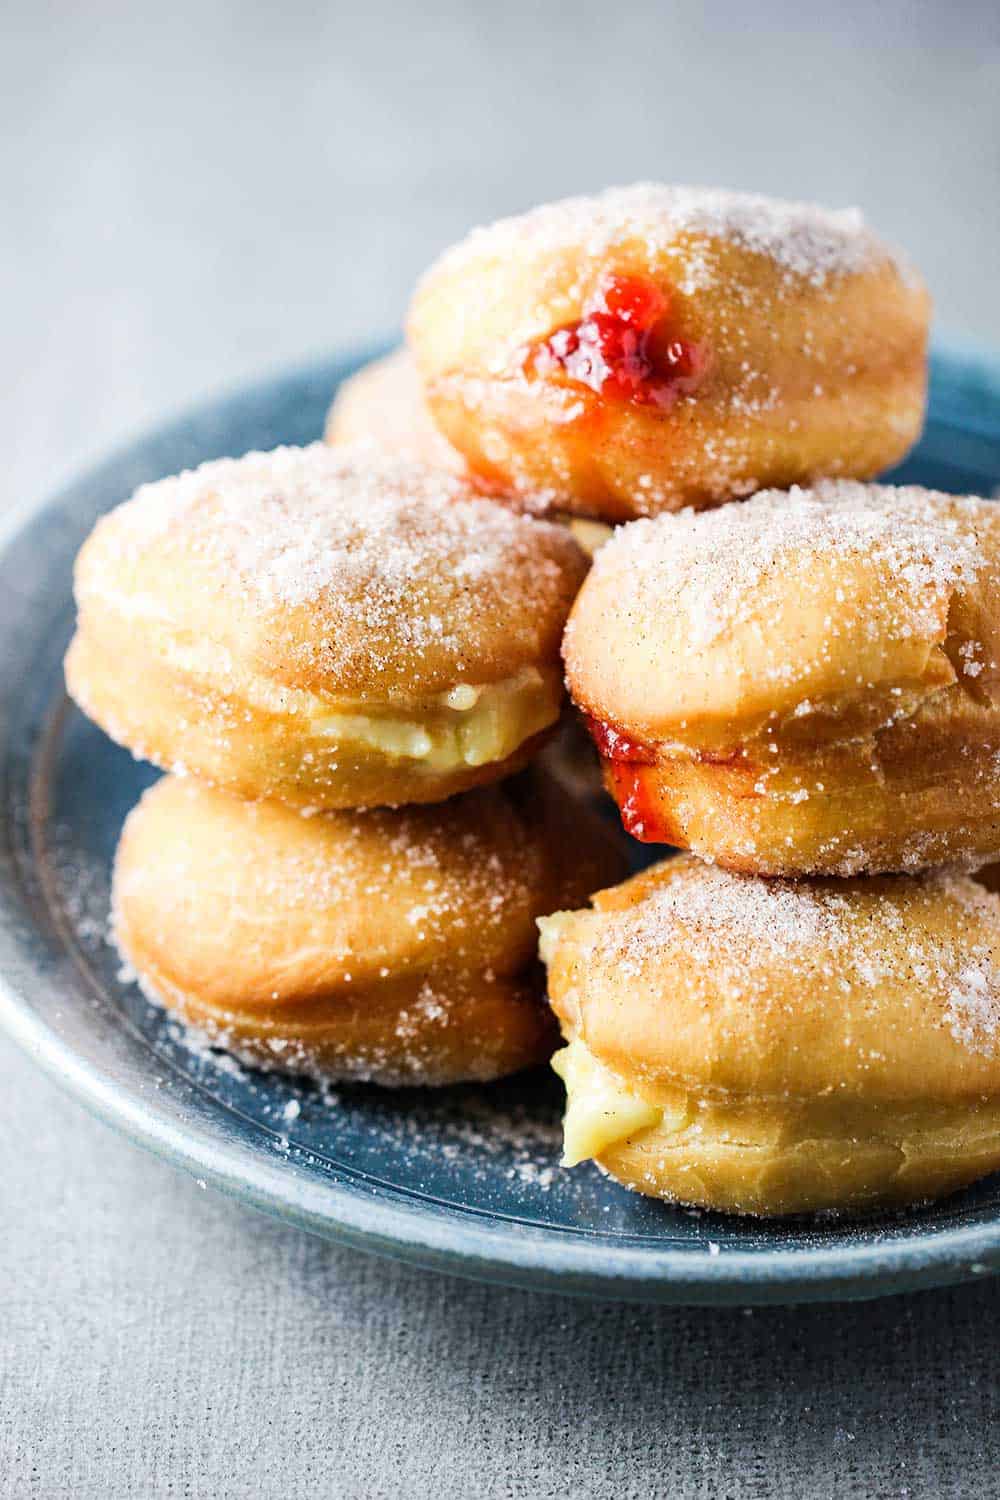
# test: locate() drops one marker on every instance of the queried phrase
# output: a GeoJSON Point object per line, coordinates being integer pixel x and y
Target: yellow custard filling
{"type": "Point", "coordinates": [590, 535]}
{"type": "Point", "coordinates": [467, 726]}
{"type": "Point", "coordinates": [600, 1108]}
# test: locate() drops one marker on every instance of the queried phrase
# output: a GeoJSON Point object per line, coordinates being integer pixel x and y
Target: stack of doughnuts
{"type": "Point", "coordinates": [804, 691]}
{"type": "Point", "coordinates": [347, 656]}
{"type": "Point", "coordinates": [343, 661]}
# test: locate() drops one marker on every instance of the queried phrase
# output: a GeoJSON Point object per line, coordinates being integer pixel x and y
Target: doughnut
{"type": "Point", "coordinates": [396, 946]}
{"type": "Point", "coordinates": [331, 629]}
{"type": "Point", "coordinates": [659, 347]}
{"type": "Point", "coordinates": [383, 404]}
{"type": "Point", "coordinates": [804, 683]}
{"type": "Point", "coordinates": [774, 1047]}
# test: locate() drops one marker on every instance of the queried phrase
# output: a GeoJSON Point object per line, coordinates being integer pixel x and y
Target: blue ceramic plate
{"type": "Point", "coordinates": [464, 1180]}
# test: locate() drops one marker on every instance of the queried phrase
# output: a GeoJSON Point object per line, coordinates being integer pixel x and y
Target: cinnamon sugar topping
{"type": "Point", "coordinates": [296, 522]}
{"type": "Point", "coordinates": [805, 241]}
{"type": "Point", "coordinates": [737, 928]}
{"type": "Point", "coordinates": [399, 560]}
{"type": "Point", "coordinates": [706, 566]}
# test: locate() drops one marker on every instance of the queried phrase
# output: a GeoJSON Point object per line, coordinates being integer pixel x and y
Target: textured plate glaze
{"type": "Point", "coordinates": [465, 1180]}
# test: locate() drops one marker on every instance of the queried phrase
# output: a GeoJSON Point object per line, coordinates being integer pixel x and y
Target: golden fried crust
{"type": "Point", "coordinates": [808, 682]}
{"type": "Point", "coordinates": [392, 946]}
{"type": "Point", "coordinates": [811, 1045]}
{"type": "Point", "coordinates": [296, 624]}
{"type": "Point", "coordinates": [384, 405]}
{"type": "Point", "coordinates": [811, 336]}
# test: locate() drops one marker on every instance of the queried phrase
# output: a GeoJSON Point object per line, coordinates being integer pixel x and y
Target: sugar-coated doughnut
{"type": "Point", "coordinates": [383, 404]}
{"type": "Point", "coordinates": [775, 1047]}
{"type": "Point", "coordinates": [330, 629]}
{"type": "Point", "coordinates": [656, 347]}
{"type": "Point", "coordinates": [803, 683]}
{"type": "Point", "coordinates": [396, 946]}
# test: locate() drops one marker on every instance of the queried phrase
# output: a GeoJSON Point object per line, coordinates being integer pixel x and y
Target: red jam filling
{"type": "Point", "coordinates": [622, 347]}
{"type": "Point", "coordinates": [613, 745]}
{"type": "Point", "coordinates": [638, 804]}
{"type": "Point", "coordinates": [627, 760]}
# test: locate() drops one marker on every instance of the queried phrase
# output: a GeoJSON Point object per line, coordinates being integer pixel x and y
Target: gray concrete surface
{"type": "Point", "coordinates": [192, 193]}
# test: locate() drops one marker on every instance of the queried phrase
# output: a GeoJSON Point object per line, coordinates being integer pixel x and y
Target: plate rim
{"type": "Point", "coordinates": [364, 1214]}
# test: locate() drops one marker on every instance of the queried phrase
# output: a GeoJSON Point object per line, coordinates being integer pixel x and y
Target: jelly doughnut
{"type": "Point", "coordinates": [395, 945]}
{"type": "Point", "coordinates": [776, 1047]}
{"type": "Point", "coordinates": [328, 628]}
{"type": "Point", "coordinates": [802, 683]}
{"type": "Point", "coordinates": [656, 347]}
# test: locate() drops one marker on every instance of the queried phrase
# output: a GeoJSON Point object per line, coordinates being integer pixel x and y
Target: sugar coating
{"type": "Point", "coordinates": [777, 284]}
{"type": "Point", "coordinates": [736, 930]}
{"type": "Point", "coordinates": [465, 868]}
{"type": "Point", "coordinates": [807, 242]}
{"type": "Point", "coordinates": [444, 895]}
{"type": "Point", "coordinates": [389, 540]}
{"type": "Point", "coordinates": [412, 1059]}
{"type": "Point", "coordinates": [707, 566]}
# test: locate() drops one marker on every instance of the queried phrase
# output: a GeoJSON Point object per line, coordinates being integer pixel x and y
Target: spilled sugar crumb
{"type": "Point", "coordinates": [476, 1130]}
{"type": "Point", "coordinates": [531, 1173]}
{"type": "Point", "coordinates": [806, 241]}
{"type": "Point", "coordinates": [491, 1130]}
{"type": "Point", "coordinates": [83, 890]}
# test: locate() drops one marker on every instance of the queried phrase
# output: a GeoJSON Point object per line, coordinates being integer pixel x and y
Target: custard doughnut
{"type": "Point", "coordinates": [383, 404]}
{"type": "Point", "coordinates": [330, 629]}
{"type": "Point", "coordinates": [396, 946]}
{"type": "Point", "coordinates": [657, 347]}
{"type": "Point", "coordinates": [775, 1047]}
{"type": "Point", "coordinates": [803, 683]}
